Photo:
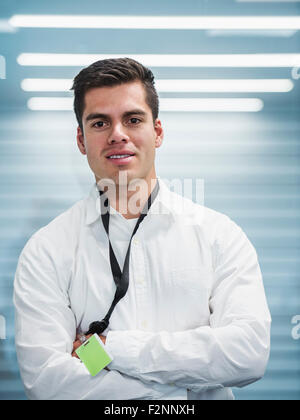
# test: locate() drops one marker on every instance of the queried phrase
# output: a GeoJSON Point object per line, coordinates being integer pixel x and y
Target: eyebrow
{"type": "Point", "coordinates": [97, 115]}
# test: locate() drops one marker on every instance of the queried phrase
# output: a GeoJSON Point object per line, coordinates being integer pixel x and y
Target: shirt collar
{"type": "Point", "coordinates": [166, 204]}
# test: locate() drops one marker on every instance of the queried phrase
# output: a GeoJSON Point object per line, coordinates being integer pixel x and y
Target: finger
{"type": "Point", "coordinates": [78, 336]}
{"type": "Point", "coordinates": [103, 338]}
{"type": "Point", "coordinates": [75, 355]}
{"type": "Point", "coordinates": [76, 344]}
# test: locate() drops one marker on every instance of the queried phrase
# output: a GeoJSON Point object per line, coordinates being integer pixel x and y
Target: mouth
{"type": "Point", "coordinates": [121, 159]}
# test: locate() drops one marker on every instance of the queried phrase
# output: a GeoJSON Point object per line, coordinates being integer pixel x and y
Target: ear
{"type": "Point", "coordinates": [159, 133]}
{"type": "Point", "coordinates": [80, 141]}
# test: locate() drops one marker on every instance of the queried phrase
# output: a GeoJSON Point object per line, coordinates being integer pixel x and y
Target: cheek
{"type": "Point", "coordinates": [94, 156]}
{"type": "Point", "coordinates": [94, 147]}
{"type": "Point", "coordinates": [146, 143]}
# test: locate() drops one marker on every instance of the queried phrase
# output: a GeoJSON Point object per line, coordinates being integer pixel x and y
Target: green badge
{"type": "Point", "coordinates": [94, 355]}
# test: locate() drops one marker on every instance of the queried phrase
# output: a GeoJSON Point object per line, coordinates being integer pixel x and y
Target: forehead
{"type": "Point", "coordinates": [114, 100]}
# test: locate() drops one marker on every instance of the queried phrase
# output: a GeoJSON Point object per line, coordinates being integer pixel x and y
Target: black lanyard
{"type": "Point", "coordinates": [121, 279]}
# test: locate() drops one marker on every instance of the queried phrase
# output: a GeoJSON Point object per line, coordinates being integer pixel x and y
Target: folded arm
{"type": "Point", "coordinates": [45, 331]}
{"type": "Point", "coordinates": [232, 351]}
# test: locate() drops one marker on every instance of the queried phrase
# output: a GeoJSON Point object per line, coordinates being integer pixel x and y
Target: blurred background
{"type": "Point", "coordinates": [228, 78]}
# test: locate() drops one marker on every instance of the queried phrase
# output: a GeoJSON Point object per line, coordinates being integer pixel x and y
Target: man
{"type": "Point", "coordinates": [194, 319]}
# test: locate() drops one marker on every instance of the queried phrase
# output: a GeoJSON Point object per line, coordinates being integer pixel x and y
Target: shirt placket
{"type": "Point", "coordinates": [139, 278]}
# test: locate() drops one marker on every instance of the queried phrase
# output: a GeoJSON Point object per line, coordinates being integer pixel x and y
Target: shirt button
{"type": "Point", "coordinates": [144, 324]}
{"type": "Point", "coordinates": [136, 241]}
{"type": "Point", "coordinates": [140, 280]}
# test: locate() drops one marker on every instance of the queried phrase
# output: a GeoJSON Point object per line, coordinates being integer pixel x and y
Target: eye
{"type": "Point", "coordinates": [134, 120]}
{"type": "Point", "coordinates": [99, 124]}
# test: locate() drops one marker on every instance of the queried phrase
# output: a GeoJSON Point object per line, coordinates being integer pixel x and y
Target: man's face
{"type": "Point", "coordinates": [117, 121]}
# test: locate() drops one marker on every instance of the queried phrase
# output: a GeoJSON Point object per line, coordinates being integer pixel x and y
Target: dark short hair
{"type": "Point", "coordinates": [113, 72]}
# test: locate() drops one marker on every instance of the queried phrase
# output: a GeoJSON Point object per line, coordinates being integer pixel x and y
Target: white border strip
{"type": "Point", "coordinates": [157, 22]}
{"type": "Point", "coordinates": [166, 60]}
{"type": "Point", "coordinates": [166, 104]}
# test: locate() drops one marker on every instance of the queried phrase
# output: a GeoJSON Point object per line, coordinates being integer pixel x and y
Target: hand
{"type": "Point", "coordinates": [77, 343]}
{"type": "Point", "coordinates": [103, 338]}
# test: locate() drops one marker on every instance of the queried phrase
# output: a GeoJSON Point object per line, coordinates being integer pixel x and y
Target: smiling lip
{"type": "Point", "coordinates": [120, 152]}
{"type": "Point", "coordinates": [121, 160]}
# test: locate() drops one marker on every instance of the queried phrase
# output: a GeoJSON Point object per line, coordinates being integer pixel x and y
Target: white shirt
{"type": "Point", "coordinates": [194, 321]}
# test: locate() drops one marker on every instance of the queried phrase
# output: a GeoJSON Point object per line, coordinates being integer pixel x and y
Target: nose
{"type": "Point", "coordinates": [118, 135]}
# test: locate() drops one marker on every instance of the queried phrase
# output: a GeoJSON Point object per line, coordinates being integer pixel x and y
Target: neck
{"type": "Point", "coordinates": [130, 199]}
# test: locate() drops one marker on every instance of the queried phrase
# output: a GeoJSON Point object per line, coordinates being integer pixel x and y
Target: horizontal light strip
{"type": "Point", "coordinates": [166, 104]}
{"type": "Point", "coordinates": [177, 85]}
{"type": "Point", "coordinates": [166, 60]}
{"type": "Point", "coordinates": [225, 85]}
{"type": "Point", "coordinates": [156, 22]}
{"type": "Point", "coordinates": [211, 104]}
{"type": "Point", "coordinates": [50, 104]}
{"type": "Point", "coordinates": [6, 27]}
{"type": "Point", "coordinates": [46, 85]}
{"type": "Point", "coordinates": [284, 33]}
{"type": "Point", "coordinates": [267, 1]}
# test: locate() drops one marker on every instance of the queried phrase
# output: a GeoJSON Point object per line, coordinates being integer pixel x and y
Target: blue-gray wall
{"type": "Point", "coordinates": [250, 167]}
{"type": "Point", "coordinates": [249, 161]}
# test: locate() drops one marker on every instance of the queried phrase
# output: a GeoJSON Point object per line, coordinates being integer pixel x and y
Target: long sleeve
{"type": "Point", "coordinates": [45, 329]}
{"type": "Point", "coordinates": [232, 350]}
